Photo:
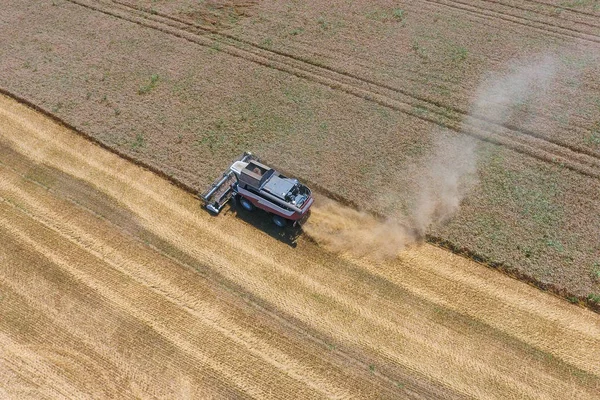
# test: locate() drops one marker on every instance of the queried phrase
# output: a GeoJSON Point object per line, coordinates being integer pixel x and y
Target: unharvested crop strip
{"type": "Point", "coordinates": [293, 61]}
{"type": "Point", "coordinates": [537, 147]}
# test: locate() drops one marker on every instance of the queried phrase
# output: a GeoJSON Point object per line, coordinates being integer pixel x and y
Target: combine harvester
{"type": "Point", "coordinates": [256, 185]}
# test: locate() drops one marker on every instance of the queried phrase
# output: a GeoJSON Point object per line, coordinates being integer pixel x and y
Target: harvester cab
{"type": "Point", "coordinates": [256, 185]}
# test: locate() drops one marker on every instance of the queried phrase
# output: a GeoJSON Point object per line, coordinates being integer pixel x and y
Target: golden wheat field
{"type": "Point", "coordinates": [114, 283]}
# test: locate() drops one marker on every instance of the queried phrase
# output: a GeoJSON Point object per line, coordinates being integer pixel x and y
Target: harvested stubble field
{"type": "Point", "coordinates": [350, 96]}
{"type": "Point", "coordinates": [114, 284]}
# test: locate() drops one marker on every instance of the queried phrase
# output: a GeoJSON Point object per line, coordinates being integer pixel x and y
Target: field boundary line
{"type": "Point", "coordinates": [434, 240]}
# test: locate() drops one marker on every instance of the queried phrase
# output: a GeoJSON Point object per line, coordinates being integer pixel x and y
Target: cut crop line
{"type": "Point", "coordinates": [584, 162]}
{"type": "Point", "coordinates": [24, 361]}
{"type": "Point", "coordinates": [52, 221]}
{"type": "Point", "coordinates": [123, 303]}
{"type": "Point", "coordinates": [201, 318]}
{"type": "Point", "coordinates": [175, 296]}
{"type": "Point", "coordinates": [75, 235]}
{"type": "Point", "coordinates": [100, 352]}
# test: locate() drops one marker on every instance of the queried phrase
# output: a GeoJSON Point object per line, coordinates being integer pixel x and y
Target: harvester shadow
{"type": "Point", "coordinates": [262, 220]}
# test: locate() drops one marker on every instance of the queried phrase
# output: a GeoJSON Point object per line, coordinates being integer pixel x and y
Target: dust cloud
{"type": "Point", "coordinates": [445, 178]}
{"type": "Point", "coordinates": [500, 98]}
{"type": "Point", "coordinates": [442, 179]}
{"type": "Point", "coordinates": [346, 230]}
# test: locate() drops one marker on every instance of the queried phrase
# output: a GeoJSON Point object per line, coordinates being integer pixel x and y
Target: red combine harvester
{"type": "Point", "coordinates": [256, 185]}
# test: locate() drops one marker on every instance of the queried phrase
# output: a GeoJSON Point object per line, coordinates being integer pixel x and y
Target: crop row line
{"type": "Point", "coordinates": [453, 119]}
{"type": "Point", "coordinates": [192, 263]}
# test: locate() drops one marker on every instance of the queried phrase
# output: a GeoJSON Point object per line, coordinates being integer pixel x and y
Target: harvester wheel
{"type": "Point", "coordinates": [247, 204]}
{"type": "Point", "coordinates": [279, 221]}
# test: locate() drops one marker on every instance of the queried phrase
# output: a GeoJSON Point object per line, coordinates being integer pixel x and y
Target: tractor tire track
{"type": "Point", "coordinates": [523, 21]}
{"type": "Point", "coordinates": [434, 106]}
{"type": "Point", "coordinates": [550, 14]}
{"type": "Point", "coordinates": [526, 142]}
{"type": "Point", "coordinates": [563, 8]}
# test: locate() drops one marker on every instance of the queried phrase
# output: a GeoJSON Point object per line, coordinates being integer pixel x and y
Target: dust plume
{"type": "Point", "coordinates": [442, 180]}
{"type": "Point", "coordinates": [346, 230]}
{"type": "Point", "coordinates": [499, 98]}
{"type": "Point", "coordinates": [438, 182]}
{"type": "Point", "coordinates": [445, 178]}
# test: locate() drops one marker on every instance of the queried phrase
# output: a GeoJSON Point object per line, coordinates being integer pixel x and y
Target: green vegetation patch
{"type": "Point", "coordinates": [139, 142]}
{"type": "Point", "coordinates": [147, 88]}
{"type": "Point", "coordinates": [385, 15]}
